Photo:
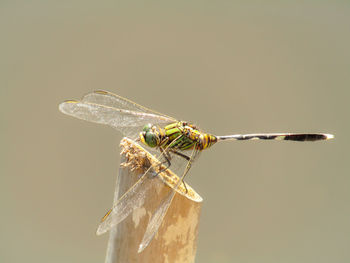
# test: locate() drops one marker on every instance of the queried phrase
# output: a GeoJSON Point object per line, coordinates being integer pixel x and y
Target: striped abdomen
{"type": "Point", "coordinates": [301, 137]}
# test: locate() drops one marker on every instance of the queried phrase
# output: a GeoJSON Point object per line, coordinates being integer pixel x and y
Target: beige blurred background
{"type": "Point", "coordinates": [228, 66]}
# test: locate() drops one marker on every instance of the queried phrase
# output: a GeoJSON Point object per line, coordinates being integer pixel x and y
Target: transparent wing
{"type": "Point", "coordinates": [110, 99]}
{"type": "Point", "coordinates": [157, 218]}
{"type": "Point", "coordinates": [126, 121]}
{"type": "Point", "coordinates": [132, 199]}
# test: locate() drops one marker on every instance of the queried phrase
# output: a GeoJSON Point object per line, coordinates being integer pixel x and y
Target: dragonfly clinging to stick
{"type": "Point", "coordinates": [173, 138]}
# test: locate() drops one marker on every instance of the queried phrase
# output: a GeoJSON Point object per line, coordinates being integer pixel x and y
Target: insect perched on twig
{"type": "Point", "coordinates": [173, 138]}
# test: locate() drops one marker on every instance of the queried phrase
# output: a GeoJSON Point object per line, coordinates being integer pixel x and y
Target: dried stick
{"type": "Point", "coordinates": [177, 236]}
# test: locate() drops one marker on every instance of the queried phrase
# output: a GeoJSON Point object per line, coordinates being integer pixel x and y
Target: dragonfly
{"type": "Point", "coordinates": [172, 139]}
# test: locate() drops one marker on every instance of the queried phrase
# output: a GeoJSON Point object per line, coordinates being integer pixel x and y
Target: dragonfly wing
{"type": "Point", "coordinates": [126, 121]}
{"type": "Point", "coordinates": [155, 222]}
{"type": "Point", "coordinates": [113, 100]}
{"type": "Point", "coordinates": [132, 199]}
{"type": "Point", "coordinates": [157, 218]}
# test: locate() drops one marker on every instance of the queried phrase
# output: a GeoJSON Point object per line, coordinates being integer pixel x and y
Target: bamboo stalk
{"type": "Point", "coordinates": [177, 236]}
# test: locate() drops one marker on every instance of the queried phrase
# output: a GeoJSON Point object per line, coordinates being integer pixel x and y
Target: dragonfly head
{"type": "Point", "coordinates": [149, 136]}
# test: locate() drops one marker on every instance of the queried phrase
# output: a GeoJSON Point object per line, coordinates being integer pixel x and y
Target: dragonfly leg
{"type": "Point", "coordinates": [187, 159]}
{"type": "Point", "coordinates": [189, 164]}
{"type": "Point", "coordinates": [183, 182]}
{"type": "Point", "coordinates": [165, 153]}
{"type": "Point", "coordinates": [181, 155]}
{"type": "Point", "coordinates": [167, 161]}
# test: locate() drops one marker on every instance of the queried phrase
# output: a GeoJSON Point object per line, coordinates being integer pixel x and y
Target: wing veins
{"type": "Point", "coordinates": [113, 217]}
{"type": "Point", "coordinates": [158, 217]}
{"type": "Point", "coordinates": [120, 119]}
{"type": "Point", "coordinates": [100, 96]}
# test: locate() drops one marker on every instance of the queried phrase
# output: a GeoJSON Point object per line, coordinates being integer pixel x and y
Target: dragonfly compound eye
{"type": "Point", "coordinates": [147, 127]}
{"type": "Point", "coordinates": [151, 139]}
